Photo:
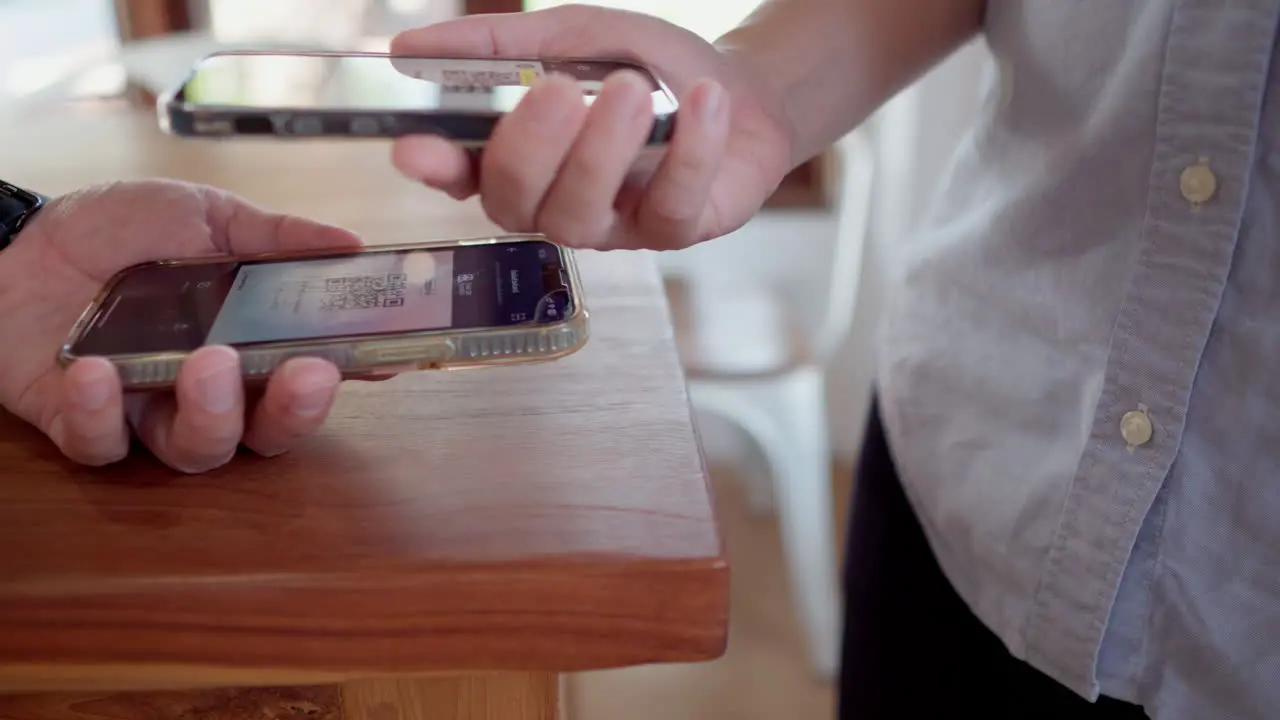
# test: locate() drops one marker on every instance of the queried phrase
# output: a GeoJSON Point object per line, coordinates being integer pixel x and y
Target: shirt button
{"type": "Point", "coordinates": [1135, 428]}
{"type": "Point", "coordinates": [1198, 183]}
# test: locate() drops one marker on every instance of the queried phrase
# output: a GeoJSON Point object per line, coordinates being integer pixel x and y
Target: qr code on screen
{"type": "Point", "coordinates": [364, 292]}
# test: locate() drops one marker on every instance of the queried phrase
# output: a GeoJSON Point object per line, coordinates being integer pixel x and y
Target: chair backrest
{"type": "Point", "coordinates": [856, 163]}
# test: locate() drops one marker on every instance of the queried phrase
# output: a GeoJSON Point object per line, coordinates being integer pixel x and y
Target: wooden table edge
{"type": "Point", "coordinates": [51, 654]}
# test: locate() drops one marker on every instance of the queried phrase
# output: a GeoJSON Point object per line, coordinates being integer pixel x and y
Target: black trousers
{"type": "Point", "coordinates": [912, 648]}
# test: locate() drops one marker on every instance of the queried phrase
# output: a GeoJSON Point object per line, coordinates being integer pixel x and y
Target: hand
{"type": "Point", "coordinates": [60, 261]}
{"type": "Point", "coordinates": [559, 167]}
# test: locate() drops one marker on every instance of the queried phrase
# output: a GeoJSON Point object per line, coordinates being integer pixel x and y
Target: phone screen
{"type": "Point", "coordinates": [385, 82]}
{"type": "Point", "coordinates": [178, 308]}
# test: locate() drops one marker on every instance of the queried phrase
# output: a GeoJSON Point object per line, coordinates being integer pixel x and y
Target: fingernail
{"type": "Point", "coordinates": [58, 430]}
{"type": "Point", "coordinates": [219, 385]}
{"type": "Point", "coordinates": [312, 402]}
{"type": "Point", "coordinates": [713, 104]}
{"type": "Point", "coordinates": [315, 382]}
{"type": "Point", "coordinates": [92, 388]}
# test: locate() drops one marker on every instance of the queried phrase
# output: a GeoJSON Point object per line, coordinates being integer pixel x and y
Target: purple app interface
{"type": "Point", "coordinates": [369, 293]}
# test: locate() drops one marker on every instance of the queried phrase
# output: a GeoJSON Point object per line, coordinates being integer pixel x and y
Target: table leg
{"type": "Point", "coordinates": [497, 696]}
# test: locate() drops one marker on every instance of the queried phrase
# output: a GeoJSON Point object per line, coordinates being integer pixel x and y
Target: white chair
{"type": "Point", "coordinates": [752, 360]}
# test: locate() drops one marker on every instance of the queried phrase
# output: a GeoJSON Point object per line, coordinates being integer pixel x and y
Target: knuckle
{"type": "Point", "coordinates": [687, 171]}
{"type": "Point", "coordinates": [590, 171]}
{"type": "Point", "coordinates": [505, 193]}
{"type": "Point", "coordinates": [578, 230]}
{"type": "Point", "coordinates": [666, 206]}
{"type": "Point", "coordinates": [504, 213]}
{"type": "Point", "coordinates": [678, 196]}
{"type": "Point", "coordinates": [668, 209]}
{"type": "Point", "coordinates": [504, 165]}
{"type": "Point", "coordinates": [496, 209]}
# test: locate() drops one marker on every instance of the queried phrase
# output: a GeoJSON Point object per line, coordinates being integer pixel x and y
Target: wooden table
{"type": "Point", "coordinates": [447, 547]}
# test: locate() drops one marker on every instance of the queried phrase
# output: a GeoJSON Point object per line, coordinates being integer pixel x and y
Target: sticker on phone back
{"type": "Point", "coordinates": [472, 74]}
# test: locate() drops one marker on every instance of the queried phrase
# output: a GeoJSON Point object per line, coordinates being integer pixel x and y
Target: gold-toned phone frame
{"type": "Point", "coordinates": [359, 356]}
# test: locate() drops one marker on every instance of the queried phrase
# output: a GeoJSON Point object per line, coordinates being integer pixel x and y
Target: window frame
{"type": "Point", "coordinates": [137, 19]}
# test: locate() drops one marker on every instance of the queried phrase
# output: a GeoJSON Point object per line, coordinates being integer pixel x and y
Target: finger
{"type": "Point", "coordinates": [579, 208]}
{"type": "Point", "coordinates": [199, 427]}
{"type": "Point", "coordinates": [295, 405]}
{"type": "Point", "coordinates": [524, 34]}
{"type": "Point", "coordinates": [241, 228]}
{"type": "Point", "coordinates": [90, 427]}
{"type": "Point", "coordinates": [573, 30]}
{"type": "Point", "coordinates": [676, 208]}
{"type": "Point", "coordinates": [526, 150]}
{"type": "Point", "coordinates": [437, 163]}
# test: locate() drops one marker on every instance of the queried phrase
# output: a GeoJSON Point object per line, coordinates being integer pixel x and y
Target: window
{"type": "Point", "coordinates": [44, 41]}
{"type": "Point", "coordinates": [331, 23]}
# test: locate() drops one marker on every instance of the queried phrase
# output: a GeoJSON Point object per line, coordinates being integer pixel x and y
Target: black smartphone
{"type": "Point", "coordinates": [435, 305]}
{"type": "Point", "coordinates": [330, 94]}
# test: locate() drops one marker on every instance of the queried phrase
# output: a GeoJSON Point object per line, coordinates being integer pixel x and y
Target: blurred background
{"type": "Point", "coordinates": [775, 322]}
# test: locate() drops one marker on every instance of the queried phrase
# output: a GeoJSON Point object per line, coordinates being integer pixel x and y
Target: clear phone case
{"type": "Point", "coordinates": [369, 355]}
{"type": "Point", "coordinates": [465, 127]}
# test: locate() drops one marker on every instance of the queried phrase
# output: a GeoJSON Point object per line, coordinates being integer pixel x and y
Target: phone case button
{"type": "Point", "coordinates": [424, 353]}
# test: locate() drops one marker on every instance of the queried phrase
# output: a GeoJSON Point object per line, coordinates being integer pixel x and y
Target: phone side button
{"type": "Point", "coordinates": [306, 125]}
{"type": "Point", "coordinates": [409, 352]}
{"type": "Point", "coordinates": [364, 126]}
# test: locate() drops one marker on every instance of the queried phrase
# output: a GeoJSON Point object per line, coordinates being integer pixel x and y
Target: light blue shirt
{"type": "Point", "coordinates": [1080, 365]}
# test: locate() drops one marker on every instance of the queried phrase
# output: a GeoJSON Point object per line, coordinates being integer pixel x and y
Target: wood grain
{"type": "Point", "coordinates": [507, 696]}
{"type": "Point", "coordinates": [552, 517]}
{"type": "Point", "coordinates": [490, 696]}
{"type": "Point", "coordinates": [273, 703]}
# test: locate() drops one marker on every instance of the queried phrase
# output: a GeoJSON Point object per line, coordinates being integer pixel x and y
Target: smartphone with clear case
{"type": "Point", "coordinates": [372, 311]}
{"type": "Point", "coordinates": [298, 95]}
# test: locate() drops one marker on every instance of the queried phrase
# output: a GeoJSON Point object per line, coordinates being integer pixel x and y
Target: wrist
{"type": "Point", "coordinates": [19, 208]}
{"type": "Point", "coordinates": [17, 256]}
{"type": "Point", "coordinates": [743, 54]}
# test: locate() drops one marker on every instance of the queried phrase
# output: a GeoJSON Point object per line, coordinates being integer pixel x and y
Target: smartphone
{"type": "Point", "coordinates": [378, 310]}
{"type": "Point", "coordinates": [330, 94]}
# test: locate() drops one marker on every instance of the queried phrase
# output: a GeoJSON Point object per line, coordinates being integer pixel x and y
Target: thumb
{"type": "Point", "coordinates": [556, 31]}
{"type": "Point", "coordinates": [242, 228]}
{"type": "Point", "coordinates": [678, 55]}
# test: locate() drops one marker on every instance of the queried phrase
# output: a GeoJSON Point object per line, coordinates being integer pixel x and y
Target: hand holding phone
{"type": "Point", "coordinates": [353, 95]}
{"type": "Point", "coordinates": [570, 173]}
{"type": "Point", "coordinates": [58, 264]}
{"type": "Point", "coordinates": [381, 310]}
